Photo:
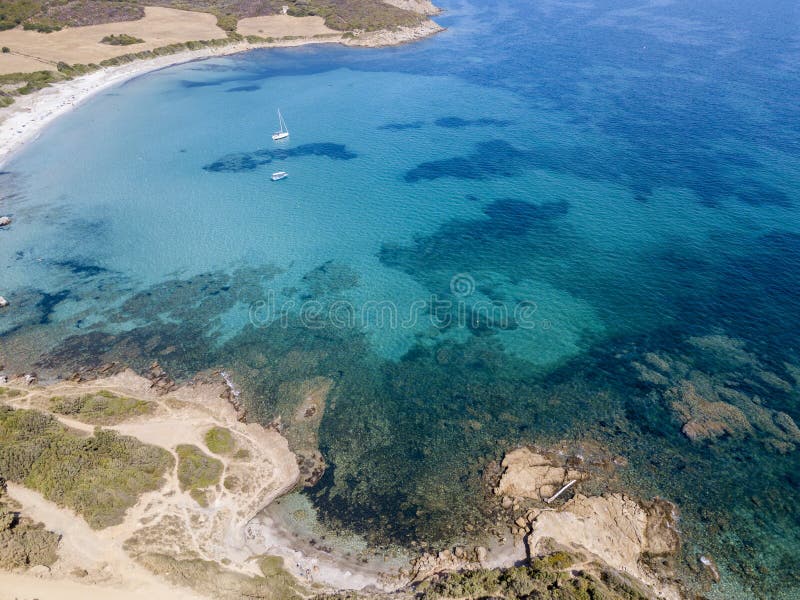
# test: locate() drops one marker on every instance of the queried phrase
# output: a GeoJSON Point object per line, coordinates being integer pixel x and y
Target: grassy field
{"type": "Point", "coordinates": [98, 476]}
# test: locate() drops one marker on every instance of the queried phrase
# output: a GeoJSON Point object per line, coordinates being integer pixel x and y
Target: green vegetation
{"type": "Point", "coordinates": [242, 454]}
{"type": "Point", "coordinates": [9, 392]}
{"type": "Point", "coordinates": [165, 51]}
{"type": "Point", "coordinates": [257, 39]}
{"type": "Point", "coordinates": [98, 476]}
{"type": "Point", "coordinates": [25, 83]}
{"type": "Point", "coordinates": [196, 469]}
{"type": "Point", "coordinates": [220, 440]}
{"type": "Point", "coordinates": [123, 39]}
{"type": "Point", "coordinates": [345, 15]}
{"type": "Point", "coordinates": [227, 22]}
{"type": "Point", "coordinates": [543, 578]}
{"type": "Point", "coordinates": [102, 408]}
{"type": "Point", "coordinates": [42, 26]}
{"type": "Point", "coordinates": [6, 49]}
{"type": "Point", "coordinates": [14, 12]}
{"type": "Point", "coordinates": [200, 496]}
{"type": "Point", "coordinates": [215, 581]}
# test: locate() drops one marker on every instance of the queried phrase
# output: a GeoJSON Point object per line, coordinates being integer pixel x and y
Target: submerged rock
{"type": "Point", "coordinates": [719, 389]}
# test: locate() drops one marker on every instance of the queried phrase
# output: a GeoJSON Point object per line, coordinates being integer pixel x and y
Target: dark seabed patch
{"type": "Point", "coordinates": [529, 232]}
{"type": "Point", "coordinates": [241, 162]}
{"type": "Point", "coordinates": [79, 267]}
{"type": "Point", "coordinates": [244, 88]}
{"type": "Point", "coordinates": [48, 303]}
{"type": "Point", "coordinates": [490, 160]}
{"type": "Point", "coordinates": [402, 126]}
{"type": "Point", "coordinates": [458, 123]}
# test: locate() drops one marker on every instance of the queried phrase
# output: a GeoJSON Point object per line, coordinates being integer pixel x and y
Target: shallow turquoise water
{"type": "Point", "coordinates": [496, 225]}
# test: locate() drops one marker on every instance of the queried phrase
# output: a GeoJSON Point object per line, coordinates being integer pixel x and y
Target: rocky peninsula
{"type": "Point", "coordinates": [158, 488]}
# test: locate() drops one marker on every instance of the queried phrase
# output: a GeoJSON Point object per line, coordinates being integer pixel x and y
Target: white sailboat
{"type": "Point", "coordinates": [284, 132]}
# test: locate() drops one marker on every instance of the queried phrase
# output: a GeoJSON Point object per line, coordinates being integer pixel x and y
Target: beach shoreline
{"type": "Point", "coordinates": [25, 119]}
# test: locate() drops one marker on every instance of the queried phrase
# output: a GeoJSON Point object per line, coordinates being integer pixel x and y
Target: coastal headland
{"type": "Point", "coordinates": [126, 485]}
{"type": "Point", "coordinates": [152, 489]}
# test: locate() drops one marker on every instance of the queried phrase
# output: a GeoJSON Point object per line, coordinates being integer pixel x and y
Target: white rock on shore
{"type": "Point", "coordinates": [401, 35]}
{"type": "Point", "coordinates": [4, 221]}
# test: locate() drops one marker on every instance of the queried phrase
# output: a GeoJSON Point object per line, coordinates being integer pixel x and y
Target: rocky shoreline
{"type": "Point", "coordinates": [609, 540]}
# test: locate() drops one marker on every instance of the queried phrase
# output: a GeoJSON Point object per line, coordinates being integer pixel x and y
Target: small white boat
{"type": "Point", "coordinates": [278, 175]}
{"type": "Point", "coordinates": [284, 131]}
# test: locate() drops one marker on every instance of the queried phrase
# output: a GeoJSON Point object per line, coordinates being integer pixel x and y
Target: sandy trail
{"type": "Point", "coordinates": [17, 586]}
{"type": "Point", "coordinates": [214, 533]}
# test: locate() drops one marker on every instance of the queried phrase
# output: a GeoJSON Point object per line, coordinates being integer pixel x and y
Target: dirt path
{"type": "Point", "coordinates": [169, 520]}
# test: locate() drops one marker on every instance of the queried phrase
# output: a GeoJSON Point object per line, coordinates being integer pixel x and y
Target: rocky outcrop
{"type": "Point", "coordinates": [717, 389]}
{"type": "Point", "coordinates": [532, 475]}
{"type": "Point", "coordinates": [159, 380]}
{"type": "Point", "coordinates": [615, 530]}
{"type": "Point", "coordinates": [394, 37]}
{"type": "Point", "coordinates": [5, 221]}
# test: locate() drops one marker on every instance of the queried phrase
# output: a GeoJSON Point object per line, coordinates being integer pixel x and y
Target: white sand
{"type": "Point", "coordinates": [25, 119]}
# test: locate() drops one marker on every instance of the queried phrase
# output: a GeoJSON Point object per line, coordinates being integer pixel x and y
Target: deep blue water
{"type": "Point", "coordinates": [551, 220]}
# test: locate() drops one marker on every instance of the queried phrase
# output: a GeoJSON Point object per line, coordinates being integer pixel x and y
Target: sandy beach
{"type": "Point", "coordinates": [24, 120]}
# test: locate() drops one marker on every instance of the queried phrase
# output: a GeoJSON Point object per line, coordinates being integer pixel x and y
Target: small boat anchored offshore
{"type": "Point", "coordinates": [277, 176]}
{"type": "Point", "coordinates": [284, 131]}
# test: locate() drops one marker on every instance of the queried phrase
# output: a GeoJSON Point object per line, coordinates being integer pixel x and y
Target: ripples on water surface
{"type": "Point", "coordinates": [551, 222]}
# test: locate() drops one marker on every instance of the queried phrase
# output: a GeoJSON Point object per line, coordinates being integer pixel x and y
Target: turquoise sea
{"type": "Point", "coordinates": [553, 222]}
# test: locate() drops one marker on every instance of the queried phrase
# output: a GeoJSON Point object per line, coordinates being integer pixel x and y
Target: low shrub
{"type": "Point", "coordinates": [102, 408]}
{"type": "Point", "coordinates": [220, 440]}
{"type": "Point", "coordinates": [196, 469]}
{"type": "Point", "coordinates": [122, 39]}
{"type": "Point", "coordinates": [98, 476]}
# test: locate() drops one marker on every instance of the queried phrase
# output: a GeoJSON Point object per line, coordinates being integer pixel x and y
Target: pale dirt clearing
{"type": "Point", "coordinates": [21, 586]}
{"type": "Point", "coordinates": [282, 25]}
{"type": "Point", "coordinates": [159, 27]}
{"type": "Point", "coordinates": [15, 63]}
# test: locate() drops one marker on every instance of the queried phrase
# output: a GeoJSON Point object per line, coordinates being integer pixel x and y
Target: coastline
{"type": "Point", "coordinates": [156, 545]}
{"type": "Point", "coordinates": [23, 121]}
